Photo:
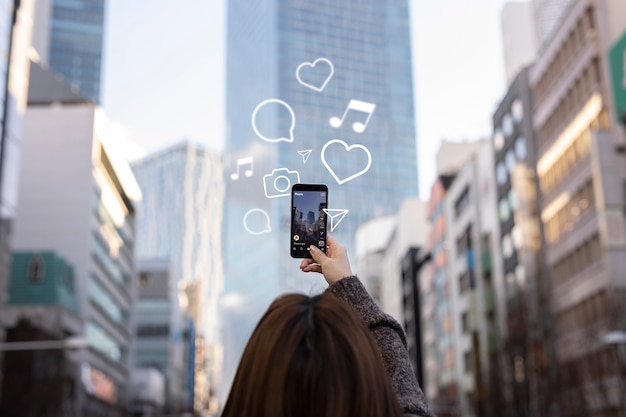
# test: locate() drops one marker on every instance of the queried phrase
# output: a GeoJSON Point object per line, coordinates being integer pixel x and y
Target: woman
{"type": "Point", "coordinates": [336, 354]}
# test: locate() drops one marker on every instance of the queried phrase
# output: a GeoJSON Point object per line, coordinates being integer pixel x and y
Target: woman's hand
{"type": "Point", "coordinates": [333, 264]}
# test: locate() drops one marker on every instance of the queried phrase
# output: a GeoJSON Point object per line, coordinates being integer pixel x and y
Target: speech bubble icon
{"type": "Point", "coordinates": [257, 222]}
{"type": "Point", "coordinates": [281, 137]}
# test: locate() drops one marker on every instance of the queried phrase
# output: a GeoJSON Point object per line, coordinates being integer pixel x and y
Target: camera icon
{"type": "Point", "coordinates": [279, 182]}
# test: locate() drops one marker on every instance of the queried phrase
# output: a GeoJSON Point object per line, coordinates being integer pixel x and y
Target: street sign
{"type": "Point", "coordinates": [617, 58]}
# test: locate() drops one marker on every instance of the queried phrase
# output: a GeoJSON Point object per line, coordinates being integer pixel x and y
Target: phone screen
{"type": "Point", "coordinates": [308, 220]}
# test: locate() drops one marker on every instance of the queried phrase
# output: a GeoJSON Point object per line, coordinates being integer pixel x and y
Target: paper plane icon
{"type": "Point", "coordinates": [305, 154]}
{"type": "Point", "coordinates": [336, 216]}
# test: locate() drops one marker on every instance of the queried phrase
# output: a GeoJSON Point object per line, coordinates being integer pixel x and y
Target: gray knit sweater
{"type": "Point", "coordinates": [391, 340]}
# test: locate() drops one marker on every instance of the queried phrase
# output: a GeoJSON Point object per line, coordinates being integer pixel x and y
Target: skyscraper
{"type": "Point", "coordinates": [68, 38]}
{"type": "Point", "coordinates": [331, 78]}
{"type": "Point", "coordinates": [180, 219]}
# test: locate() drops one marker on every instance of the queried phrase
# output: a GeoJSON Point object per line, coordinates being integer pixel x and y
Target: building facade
{"type": "Point", "coordinates": [440, 381]}
{"type": "Point", "coordinates": [348, 62]}
{"type": "Point", "coordinates": [524, 293]}
{"type": "Point", "coordinates": [15, 39]}
{"type": "Point", "coordinates": [580, 164]}
{"type": "Point", "coordinates": [160, 342]}
{"type": "Point", "coordinates": [391, 252]}
{"type": "Point", "coordinates": [518, 37]}
{"type": "Point", "coordinates": [42, 306]}
{"type": "Point", "coordinates": [371, 240]}
{"type": "Point", "coordinates": [410, 230]}
{"type": "Point", "coordinates": [470, 213]}
{"type": "Point", "coordinates": [69, 40]}
{"type": "Point", "coordinates": [547, 15]}
{"type": "Point", "coordinates": [412, 263]}
{"type": "Point", "coordinates": [180, 218]}
{"type": "Point", "coordinates": [78, 199]}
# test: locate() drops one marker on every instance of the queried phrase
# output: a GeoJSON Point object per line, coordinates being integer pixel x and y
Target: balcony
{"type": "Point", "coordinates": [485, 260]}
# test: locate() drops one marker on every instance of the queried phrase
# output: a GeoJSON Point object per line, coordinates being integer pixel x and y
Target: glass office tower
{"type": "Point", "coordinates": [314, 61]}
{"type": "Point", "coordinates": [180, 218]}
{"type": "Point", "coordinates": [69, 38]}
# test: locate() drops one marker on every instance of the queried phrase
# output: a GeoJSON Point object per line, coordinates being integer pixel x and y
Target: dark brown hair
{"type": "Point", "coordinates": [311, 357]}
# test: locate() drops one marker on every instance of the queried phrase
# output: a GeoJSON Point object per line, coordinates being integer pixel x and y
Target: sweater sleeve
{"type": "Point", "coordinates": [390, 338]}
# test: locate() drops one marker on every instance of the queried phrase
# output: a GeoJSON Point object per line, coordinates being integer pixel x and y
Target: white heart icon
{"type": "Point", "coordinates": [312, 65]}
{"type": "Point", "coordinates": [347, 148]}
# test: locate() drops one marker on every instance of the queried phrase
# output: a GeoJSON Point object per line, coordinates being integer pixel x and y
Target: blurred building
{"type": "Point", "coordinates": [69, 40]}
{"type": "Point", "coordinates": [547, 16]}
{"type": "Point", "coordinates": [148, 391]}
{"type": "Point", "coordinates": [581, 169]}
{"type": "Point", "coordinates": [160, 334]}
{"type": "Point", "coordinates": [452, 156]}
{"type": "Point", "coordinates": [518, 37]}
{"type": "Point", "coordinates": [440, 381]}
{"type": "Point", "coordinates": [15, 39]}
{"type": "Point", "coordinates": [471, 225]}
{"type": "Point", "coordinates": [412, 263]}
{"type": "Point", "coordinates": [526, 326]}
{"type": "Point", "coordinates": [180, 219]}
{"type": "Point", "coordinates": [371, 241]}
{"type": "Point", "coordinates": [369, 89]}
{"type": "Point", "coordinates": [410, 230]}
{"type": "Point", "coordinates": [391, 251]}
{"type": "Point", "coordinates": [77, 198]}
{"type": "Point", "coordinates": [42, 306]}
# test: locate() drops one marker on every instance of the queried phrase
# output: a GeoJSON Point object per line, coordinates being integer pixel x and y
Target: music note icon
{"type": "Point", "coordinates": [242, 162]}
{"type": "Point", "coordinates": [358, 106]}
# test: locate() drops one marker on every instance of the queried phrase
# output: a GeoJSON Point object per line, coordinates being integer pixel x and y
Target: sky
{"type": "Point", "coordinates": [164, 72]}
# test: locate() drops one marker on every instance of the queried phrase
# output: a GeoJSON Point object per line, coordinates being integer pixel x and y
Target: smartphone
{"type": "Point", "coordinates": [308, 218]}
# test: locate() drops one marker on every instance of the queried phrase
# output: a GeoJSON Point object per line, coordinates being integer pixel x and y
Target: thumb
{"type": "Point", "coordinates": [318, 255]}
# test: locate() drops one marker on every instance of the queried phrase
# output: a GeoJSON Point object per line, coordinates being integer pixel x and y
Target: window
{"type": "Point", "coordinates": [103, 299]}
{"type": "Point", "coordinates": [468, 360]}
{"type": "Point", "coordinates": [517, 237]}
{"type": "Point", "coordinates": [510, 160]}
{"type": "Point", "coordinates": [153, 330]}
{"type": "Point", "coordinates": [36, 269]}
{"type": "Point", "coordinates": [504, 210]}
{"type": "Point", "coordinates": [520, 275]}
{"type": "Point", "coordinates": [100, 340]}
{"type": "Point", "coordinates": [462, 202]}
{"type": "Point", "coordinates": [520, 148]}
{"type": "Point", "coordinates": [464, 283]}
{"type": "Point", "coordinates": [517, 109]}
{"type": "Point", "coordinates": [143, 279]}
{"type": "Point", "coordinates": [501, 173]}
{"type": "Point", "coordinates": [507, 246]}
{"type": "Point", "coordinates": [567, 217]}
{"type": "Point", "coordinates": [498, 139]}
{"type": "Point", "coordinates": [512, 199]}
{"type": "Point", "coordinates": [67, 277]}
{"type": "Point", "coordinates": [511, 285]}
{"type": "Point", "coordinates": [465, 322]}
{"type": "Point", "coordinates": [507, 125]}
{"type": "Point", "coordinates": [577, 261]}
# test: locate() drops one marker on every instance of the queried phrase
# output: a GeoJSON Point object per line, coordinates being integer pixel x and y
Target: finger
{"type": "Point", "coordinates": [334, 247]}
{"type": "Point", "coordinates": [318, 255]}
{"type": "Point", "coordinates": [312, 268]}
{"type": "Point", "coordinates": [306, 262]}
